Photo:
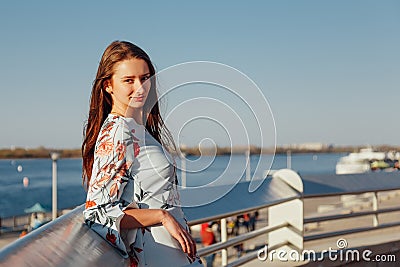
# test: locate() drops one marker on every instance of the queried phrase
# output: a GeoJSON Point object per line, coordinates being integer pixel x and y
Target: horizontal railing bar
{"type": "Point", "coordinates": [305, 195]}
{"type": "Point", "coordinates": [350, 215]}
{"type": "Point", "coordinates": [239, 239]}
{"type": "Point", "coordinates": [253, 255]}
{"type": "Point", "coordinates": [349, 231]}
{"type": "Point", "coordinates": [244, 259]}
{"type": "Point", "coordinates": [238, 212]}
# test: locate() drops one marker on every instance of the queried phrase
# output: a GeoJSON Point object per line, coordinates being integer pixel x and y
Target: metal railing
{"type": "Point", "coordinates": [281, 195]}
{"type": "Point", "coordinates": [375, 212]}
{"type": "Point", "coordinates": [344, 185]}
{"type": "Point", "coordinates": [68, 242]}
{"type": "Point", "coordinates": [356, 192]}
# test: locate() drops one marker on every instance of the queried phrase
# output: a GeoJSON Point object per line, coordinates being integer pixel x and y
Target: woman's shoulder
{"type": "Point", "coordinates": [115, 136]}
{"type": "Point", "coordinates": [114, 125]}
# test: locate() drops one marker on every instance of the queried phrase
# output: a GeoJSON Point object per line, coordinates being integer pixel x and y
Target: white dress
{"type": "Point", "coordinates": [131, 170]}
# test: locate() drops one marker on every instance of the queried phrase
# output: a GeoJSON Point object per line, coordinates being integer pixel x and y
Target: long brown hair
{"type": "Point", "coordinates": [101, 103]}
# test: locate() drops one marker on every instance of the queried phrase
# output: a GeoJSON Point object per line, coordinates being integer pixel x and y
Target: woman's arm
{"type": "Point", "coordinates": [135, 218]}
{"type": "Point", "coordinates": [104, 208]}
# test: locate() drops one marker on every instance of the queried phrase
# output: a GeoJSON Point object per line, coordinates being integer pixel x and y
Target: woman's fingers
{"type": "Point", "coordinates": [180, 237]}
{"type": "Point", "coordinates": [191, 245]}
{"type": "Point", "coordinates": [187, 243]}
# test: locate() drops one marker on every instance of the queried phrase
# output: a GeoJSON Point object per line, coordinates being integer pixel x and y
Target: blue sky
{"type": "Point", "coordinates": [329, 69]}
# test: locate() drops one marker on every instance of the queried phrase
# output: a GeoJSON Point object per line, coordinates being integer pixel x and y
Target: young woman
{"type": "Point", "coordinates": [132, 199]}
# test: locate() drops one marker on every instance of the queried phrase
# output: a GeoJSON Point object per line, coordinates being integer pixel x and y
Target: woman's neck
{"type": "Point", "coordinates": [136, 114]}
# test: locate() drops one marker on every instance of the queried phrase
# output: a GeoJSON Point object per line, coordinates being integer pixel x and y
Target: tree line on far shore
{"type": "Point", "coordinates": [42, 152]}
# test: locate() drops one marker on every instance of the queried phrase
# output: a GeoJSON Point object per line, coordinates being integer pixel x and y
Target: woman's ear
{"type": "Point", "coordinates": [107, 86]}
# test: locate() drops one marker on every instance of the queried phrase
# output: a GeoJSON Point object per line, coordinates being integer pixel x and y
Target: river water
{"type": "Point", "coordinates": [200, 171]}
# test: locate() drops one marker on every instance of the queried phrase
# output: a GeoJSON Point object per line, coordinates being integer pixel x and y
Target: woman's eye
{"type": "Point", "coordinates": [145, 78]}
{"type": "Point", "coordinates": [129, 80]}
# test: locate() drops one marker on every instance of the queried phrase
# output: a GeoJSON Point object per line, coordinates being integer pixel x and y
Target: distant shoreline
{"type": "Point", "coordinates": [42, 152]}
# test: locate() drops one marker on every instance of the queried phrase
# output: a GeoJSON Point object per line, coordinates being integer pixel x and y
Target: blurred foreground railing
{"type": "Point", "coordinates": [68, 242]}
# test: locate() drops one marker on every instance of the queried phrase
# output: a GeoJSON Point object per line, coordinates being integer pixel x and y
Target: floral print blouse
{"type": "Point", "coordinates": [131, 170]}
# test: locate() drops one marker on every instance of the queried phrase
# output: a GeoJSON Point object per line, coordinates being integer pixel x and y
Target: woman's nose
{"type": "Point", "coordinates": [138, 86]}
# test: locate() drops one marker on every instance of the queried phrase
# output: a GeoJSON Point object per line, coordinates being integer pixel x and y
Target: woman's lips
{"type": "Point", "coordinates": [136, 98]}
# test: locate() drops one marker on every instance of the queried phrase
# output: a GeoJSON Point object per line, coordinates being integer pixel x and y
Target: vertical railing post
{"type": "Point", "coordinates": [375, 208]}
{"type": "Point", "coordinates": [224, 238]}
{"type": "Point", "coordinates": [290, 212]}
{"type": "Point", "coordinates": [54, 157]}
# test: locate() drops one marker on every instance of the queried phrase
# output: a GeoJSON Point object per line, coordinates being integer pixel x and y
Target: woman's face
{"type": "Point", "coordinates": [127, 86]}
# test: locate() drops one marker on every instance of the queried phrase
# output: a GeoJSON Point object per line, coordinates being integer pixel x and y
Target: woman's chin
{"type": "Point", "coordinates": [136, 105]}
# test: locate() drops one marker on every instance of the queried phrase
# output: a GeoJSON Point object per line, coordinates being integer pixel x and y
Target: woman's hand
{"type": "Point", "coordinates": [179, 233]}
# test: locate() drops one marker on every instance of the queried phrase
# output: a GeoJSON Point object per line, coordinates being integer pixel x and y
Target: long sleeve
{"type": "Point", "coordinates": [113, 161]}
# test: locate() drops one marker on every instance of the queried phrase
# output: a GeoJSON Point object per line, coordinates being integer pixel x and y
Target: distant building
{"type": "Point", "coordinates": [306, 146]}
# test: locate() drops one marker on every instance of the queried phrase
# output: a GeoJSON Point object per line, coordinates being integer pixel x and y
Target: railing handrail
{"type": "Point", "coordinates": [50, 226]}
{"type": "Point", "coordinates": [349, 231]}
{"type": "Point", "coordinates": [239, 239]}
{"type": "Point", "coordinates": [325, 185]}
{"type": "Point", "coordinates": [253, 255]}
{"type": "Point", "coordinates": [350, 215]}
{"type": "Point", "coordinates": [353, 192]}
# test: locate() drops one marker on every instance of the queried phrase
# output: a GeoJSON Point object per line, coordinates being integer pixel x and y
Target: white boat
{"type": "Point", "coordinates": [359, 162]}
